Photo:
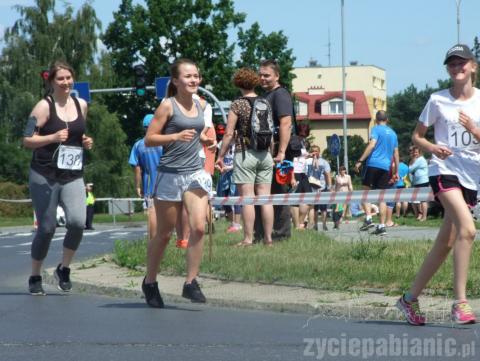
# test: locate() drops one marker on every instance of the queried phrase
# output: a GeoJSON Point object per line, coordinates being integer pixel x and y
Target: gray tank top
{"type": "Point", "coordinates": [182, 157]}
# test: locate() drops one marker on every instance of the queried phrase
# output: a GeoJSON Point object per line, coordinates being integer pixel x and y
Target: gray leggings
{"type": "Point", "coordinates": [46, 195]}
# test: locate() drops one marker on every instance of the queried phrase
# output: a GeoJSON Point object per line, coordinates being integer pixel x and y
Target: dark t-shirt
{"type": "Point", "coordinates": [281, 103]}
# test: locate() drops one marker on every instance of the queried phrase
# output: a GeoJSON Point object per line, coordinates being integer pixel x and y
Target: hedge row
{"type": "Point", "coordinates": [10, 190]}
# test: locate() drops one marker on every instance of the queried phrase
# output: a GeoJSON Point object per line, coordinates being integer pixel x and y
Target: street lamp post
{"type": "Point", "coordinates": [458, 20]}
{"type": "Point", "coordinates": [344, 96]}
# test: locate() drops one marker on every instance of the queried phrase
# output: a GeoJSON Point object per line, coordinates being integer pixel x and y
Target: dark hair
{"type": "Point", "coordinates": [413, 147]}
{"type": "Point", "coordinates": [175, 73]}
{"type": "Point", "coordinates": [246, 78]}
{"type": "Point", "coordinates": [381, 116]}
{"type": "Point", "coordinates": [52, 73]}
{"type": "Point", "coordinates": [271, 64]}
{"type": "Point", "coordinates": [342, 167]}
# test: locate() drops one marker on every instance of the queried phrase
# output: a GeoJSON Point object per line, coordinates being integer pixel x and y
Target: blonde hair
{"type": "Point", "coordinates": [474, 74]}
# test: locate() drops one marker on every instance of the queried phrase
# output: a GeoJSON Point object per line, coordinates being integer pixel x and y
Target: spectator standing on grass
{"type": "Point", "coordinates": [282, 109]}
{"type": "Point", "coordinates": [207, 153]}
{"type": "Point", "coordinates": [252, 169]}
{"type": "Point", "coordinates": [382, 147]}
{"type": "Point", "coordinates": [343, 183]}
{"type": "Point", "coordinates": [90, 202]}
{"type": "Point", "coordinates": [401, 207]}
{"type": "Point", "coordinates": [300, 184]}
{"type": "Point", "coordinates": [179, 126]}
{"type": "Point", "coordinates": [56, 132]}
{"type": "Point", "coordinates": [145, 161]}
{"type": "Point", "coordinates": [454, 174]}
{"type": "Point", "coordinates": [320, 180]}
{"type": "Point", "coordinates": [226, 187]}
{"type": "Point", "coordinates": [418, 170]}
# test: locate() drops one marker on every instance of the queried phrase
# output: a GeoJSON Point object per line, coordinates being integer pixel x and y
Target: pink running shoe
{"type": "Point", "coordinates": [233, 229]}
{"type": "Point", "coordinates": [411, 310]}
{"type": "Point", "coordinates": [462, 313]}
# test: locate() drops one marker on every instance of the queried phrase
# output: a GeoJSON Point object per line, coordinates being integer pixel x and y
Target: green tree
{"type": "Point", "coordinates": [107, 164]}
{"type": "Point", "coordinates": [404, 109]}
{"type": "Point", "coordinates": [162, 30]}
{"type": "Point", "coordinates": [476, 52]}
{"type": "Point", "coordinates": [356, 145]}
{"type": "Point", "coordinates": [256, 46]}
{"type": "Point", "coordinates": [40, 36]}
{"type": "Point", "coordinates": [14, 161]}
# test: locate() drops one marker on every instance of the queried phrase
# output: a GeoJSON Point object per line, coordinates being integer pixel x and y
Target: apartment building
{"type": "Point", "coordinates": [318, 91]}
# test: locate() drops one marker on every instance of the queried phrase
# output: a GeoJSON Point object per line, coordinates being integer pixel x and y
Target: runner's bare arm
{"type": "Point", "coordinates": [41, 114]}
{"type": "Point", "coordinates": [418, 138]}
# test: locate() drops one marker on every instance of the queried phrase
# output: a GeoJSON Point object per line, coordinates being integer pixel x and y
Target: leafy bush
{"type": "Point", "coordinates": [9, 190]}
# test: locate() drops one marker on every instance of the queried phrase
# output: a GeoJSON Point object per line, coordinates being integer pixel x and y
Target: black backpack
{"type": "Point", "coordinates": [261, 122]}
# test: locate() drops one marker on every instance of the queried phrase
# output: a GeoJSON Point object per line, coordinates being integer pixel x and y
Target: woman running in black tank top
{"type": "Point", "coordinates": [56, 133]}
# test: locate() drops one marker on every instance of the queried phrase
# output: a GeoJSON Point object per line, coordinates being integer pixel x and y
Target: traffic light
{"type": "Point", "coordinates": [140, 80]}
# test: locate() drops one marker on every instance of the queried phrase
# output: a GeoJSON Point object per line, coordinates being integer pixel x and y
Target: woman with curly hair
{"type": "Point", "coordinates": [252, 169]}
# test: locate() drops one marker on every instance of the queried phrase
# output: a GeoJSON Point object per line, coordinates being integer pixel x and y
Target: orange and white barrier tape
{"type": "Point", "coordinates": [372, 196]}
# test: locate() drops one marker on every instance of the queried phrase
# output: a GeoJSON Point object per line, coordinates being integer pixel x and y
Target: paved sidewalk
{"type": "Point", "coordinates": [101, 276]}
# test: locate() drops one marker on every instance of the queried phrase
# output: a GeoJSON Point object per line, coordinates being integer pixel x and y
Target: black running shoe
{"type": "Point", "coordinates": [193, 292]}
{"type": "Point", "coordinates": [62, 275]}
{"type": "Point", "coordinates": [367, 224]}
{"type": "Point", "coordinates": [35, 286]}
{"type": "Point", "coordinates": [152, 294]}
{"type": "Point", "coordinates": [379, 231]}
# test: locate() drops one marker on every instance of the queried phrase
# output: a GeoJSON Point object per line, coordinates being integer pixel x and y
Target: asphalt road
{"type": "Point", "coordinates": [90, 327]}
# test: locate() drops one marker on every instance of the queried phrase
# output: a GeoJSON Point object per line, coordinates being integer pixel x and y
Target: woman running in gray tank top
{"type": "Point", "coordinates": [179, 127]}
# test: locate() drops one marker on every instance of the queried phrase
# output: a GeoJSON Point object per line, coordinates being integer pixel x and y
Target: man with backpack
{"type": "Point", "coordinates": [282, 111]}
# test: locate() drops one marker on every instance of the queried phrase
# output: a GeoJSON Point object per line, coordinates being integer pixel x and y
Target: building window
{"type": "Point", "coordinates": [318, 107]}
{"type": "Point", "coordinates": [301, 108]}
{"type": "Point", "coordinates": [336, 107]}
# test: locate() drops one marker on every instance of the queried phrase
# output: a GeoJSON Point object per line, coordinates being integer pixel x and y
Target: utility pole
{"type": "Point", "coordinates": [344, 95]}
{"type": "Point", "coordinates": [458, 20]}
{"type": "Point", "coordinates": [329, 45]}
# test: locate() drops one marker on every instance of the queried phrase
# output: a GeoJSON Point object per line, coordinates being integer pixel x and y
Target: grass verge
{"type": "Point", "coordinates": [99, 218]}
{"type": "Point", "coordinates": [310, 259]}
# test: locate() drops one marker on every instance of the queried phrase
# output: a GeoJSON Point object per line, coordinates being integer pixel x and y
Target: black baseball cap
{"type": "Point", "coordinates": [459, 50]}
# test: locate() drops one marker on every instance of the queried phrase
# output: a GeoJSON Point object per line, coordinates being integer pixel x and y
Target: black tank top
{"type": "Point", "coordinates": [44, 160]}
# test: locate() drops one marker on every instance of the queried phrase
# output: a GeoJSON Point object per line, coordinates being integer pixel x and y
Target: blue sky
{"type": "Point", "coordinates": [407, 38]}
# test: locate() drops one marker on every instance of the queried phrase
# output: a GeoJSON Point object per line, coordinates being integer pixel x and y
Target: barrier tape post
{"type": "Point", "coordinates": [210, 229]}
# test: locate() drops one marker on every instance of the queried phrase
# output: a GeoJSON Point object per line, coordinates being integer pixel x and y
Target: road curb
{"type": "Point", "coordinates": [367, 306]}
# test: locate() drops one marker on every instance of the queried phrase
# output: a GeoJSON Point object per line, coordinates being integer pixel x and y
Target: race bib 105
{"type": "Point", "coordinates": [460, 138]}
